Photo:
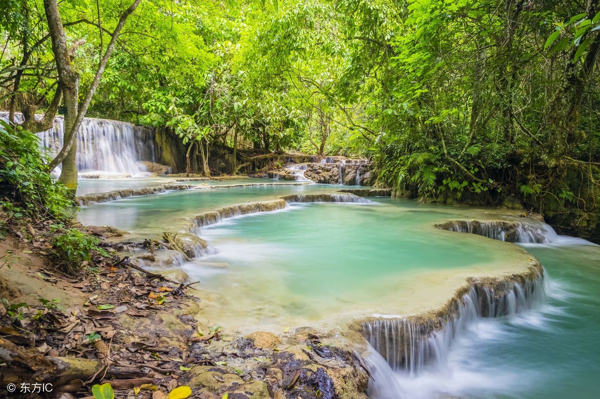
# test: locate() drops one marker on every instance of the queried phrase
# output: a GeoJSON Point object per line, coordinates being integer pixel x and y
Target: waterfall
{"type": "Point", "coordinates": [409, 346]}
{"type": "Point", "coordinates": [104, 146]}
{"type": "Point", "coordinates": [298, 171]}
{"type": "Point", "coordinates": [538, 233]}
{"type": "Point", "coordinates": [357, 176]}
{"type": "Point", "coordinates": [342, 163]}
{"type": "Point", "coordinates": [325, 198]}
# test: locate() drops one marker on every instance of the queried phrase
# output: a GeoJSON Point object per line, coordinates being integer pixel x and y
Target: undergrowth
{"type": "Point", "coordinates": [29, 195]}
{"type": "Point", "coordinates": [26, 189]}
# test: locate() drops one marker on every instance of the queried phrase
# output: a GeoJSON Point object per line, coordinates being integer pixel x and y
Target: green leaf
{"type": "Point", "coordinates": [551, 39]}
{"type": "Point", "coordinates": [104, 391]}
{"type": "Point", "coordinates": [562, 44]}
{"type": "Point", "coordinates": [582, 47]}
{"type": "Point", "coordinates": [596, 18]}
{"type": "Point", "coordinates": [582, 31]}
{"type": "Point", "coordinates": [184, 368]}
{"type": "Point", "coordinates": [576, 18]}
{"type": "Point", "coordinates": [105, 307]}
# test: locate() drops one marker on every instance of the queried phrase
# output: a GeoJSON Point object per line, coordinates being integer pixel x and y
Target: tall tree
{"type": "Point", "coordinates": [69, 83]}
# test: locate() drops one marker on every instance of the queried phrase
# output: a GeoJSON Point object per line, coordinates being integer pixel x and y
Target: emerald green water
{"type": "Point", "coordinates": [323, 264]}
{"type": "Point", "coordinates": [320, 259]}
{"type": "Point", "coordinates": [89, 186]}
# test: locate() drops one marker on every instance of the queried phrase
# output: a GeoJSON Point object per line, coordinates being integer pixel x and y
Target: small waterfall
{"type": "Point", "coordinates": [357, 183]}
{"type": "Point", "coordinates": [298, 171]}
{"type": "Point", "coordinates": [409, 345]}
{"type": "Point", "coordinates": [342, 165]}
{"type": "Point", "coordinates": [527, 233]}
{"type": "Point", "coordinates": [325, 198]}
{"type": "Point", "coordinates": [103, 145]}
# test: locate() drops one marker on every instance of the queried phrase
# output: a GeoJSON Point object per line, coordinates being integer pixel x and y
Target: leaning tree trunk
{"type": "Point", "coordinates": [68, 174]}
{"type": "Point", "coordinates": [188, 161]}
{"type": "Point", "coordinates": [69, 80]}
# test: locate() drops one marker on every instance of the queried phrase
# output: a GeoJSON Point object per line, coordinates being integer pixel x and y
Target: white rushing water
{"type": "Point", "coordinates": [522, 233]}
{"type": "Point", "coordinates": [103, 146]}
{"type": "Point", "coordinates": [404, 357]}
{"type": "Point", "coordinates": [298, 171]}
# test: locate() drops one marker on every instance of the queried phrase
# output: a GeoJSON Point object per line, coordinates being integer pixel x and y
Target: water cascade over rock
{"type": "Point", "coordinates": [126, 193]}
{"type": "Point", "coordinates": [365, 192]}
{"type": "Point", "coordinates": [539, 233]}
{"type": "Point", "coordinates": [105, 146]}
{"type": "Point", "coordinates": [329, 170]}
{"type": "Point", "coordinates": [324, 198]}
{"type": "Point", "coordinates": [409, 345]}
{"type": "Point", "coordinates": [208, 218]}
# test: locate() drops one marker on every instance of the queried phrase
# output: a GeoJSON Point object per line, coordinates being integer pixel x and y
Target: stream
{"type": "Point", "coordinates": [326, 264]}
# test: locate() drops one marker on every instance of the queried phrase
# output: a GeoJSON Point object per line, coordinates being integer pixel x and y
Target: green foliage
{"type": "Point", "coordinates": [15, 310]}
{"type": "Point", "coordinates": [72, 250]}
{"type": "Point", "coordinates": [104, 391]}
{"type": "Point", "coordinates": [27, 189]}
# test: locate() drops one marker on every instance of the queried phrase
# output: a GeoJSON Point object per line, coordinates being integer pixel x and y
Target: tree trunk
{"type": "Point", "coordinates": [205, 168]}
{"type": "Point", "coordinates": [68, 174]}
{"type": "Point", "coordinates": [235, 136]}
{"type": "Point", "coordinates": [69, 80]}
{"type": "Point", "coordinates": [188, 162]}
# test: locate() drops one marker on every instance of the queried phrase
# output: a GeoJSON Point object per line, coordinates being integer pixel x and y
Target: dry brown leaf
{"type": "Point", "coordinates": [159, 395]}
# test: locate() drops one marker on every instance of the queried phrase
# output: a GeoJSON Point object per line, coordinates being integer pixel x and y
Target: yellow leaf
{"type": "Point", "coordinates": [181, 392]}
{"type": "Point", "coordinates": [225, 396]}
{"type": "Point", "coordinates": [149, 387]}
{"type": "Point", "coordinates": [136, 390]}
{"type": "Point", "coordinates": [286, 330]}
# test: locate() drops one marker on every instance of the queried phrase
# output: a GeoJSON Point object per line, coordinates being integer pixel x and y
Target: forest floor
{"type": "Point", "coordinates": [114, 323]}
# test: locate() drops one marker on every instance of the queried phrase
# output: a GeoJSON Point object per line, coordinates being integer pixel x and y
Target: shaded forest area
{"type": "Point", "coordinates": [484, 102]}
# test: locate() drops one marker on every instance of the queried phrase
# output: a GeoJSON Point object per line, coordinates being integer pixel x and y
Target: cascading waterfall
{"type": "Point", "coordinates": [357, 177]}
{"type": "Point", "coordinates": [105, 146]}
{"type": "Point", "coordinates": [409, 346]}
{"type": "Point", "coordinates": [342, 164]}
{"type": "Point", "coordinates": [325, 198]}
{"type": "Point", "coordinates": [527, 233]}
{"type": "Point", "coordinates": [298, 171]}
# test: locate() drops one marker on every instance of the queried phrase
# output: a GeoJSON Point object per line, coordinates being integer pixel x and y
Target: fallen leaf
{"type": "Point", "coordinates": [136, 390]}
{"type": "Point", "coordinates": [106, 307]}
{"type": "Point", "coordinates": [184, 368]}
{"type": "Point", "coordinates": [104, 391]}
{"type": "Point", "coordinates": [159, 395]}
{"type": "Point", "coordinates": [121, 309]}
{"type": "Point", "coordinates": [149, 387]}
{"type": "Point", "coordinates": [181, 392]}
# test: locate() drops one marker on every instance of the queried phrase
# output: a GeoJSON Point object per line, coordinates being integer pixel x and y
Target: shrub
{"type": "Point", "coordinates": [26, 188]}
{"type": "Point", "coordinates": [73, 250]}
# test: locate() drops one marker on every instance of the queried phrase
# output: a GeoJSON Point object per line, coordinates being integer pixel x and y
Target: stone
{"type": "Point", "coordinates": [264, 340]}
